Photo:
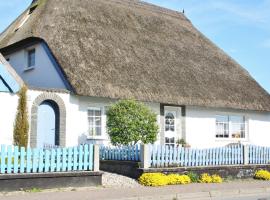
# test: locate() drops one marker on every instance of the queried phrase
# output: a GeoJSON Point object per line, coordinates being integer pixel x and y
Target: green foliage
{"type": "Point", "coordinates": [181, 142]}
{"type": "Point", "coordinates": [33, 190]}
{"type": "Point", "coordinates": [21, 126]}
{"type": "Point", "coordinates": [130, 121]}
{"type": "Point", "coordinates": [193, 177]}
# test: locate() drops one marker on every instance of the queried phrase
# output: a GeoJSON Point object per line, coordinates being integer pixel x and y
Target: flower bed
{"type": "Point", "coordinates": [159, 179]}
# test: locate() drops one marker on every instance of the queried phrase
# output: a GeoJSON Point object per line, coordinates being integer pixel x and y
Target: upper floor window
{"type": "Point", "coordinates": [31, 58]}
{"type": "Point", "coordinates": [230, 127]}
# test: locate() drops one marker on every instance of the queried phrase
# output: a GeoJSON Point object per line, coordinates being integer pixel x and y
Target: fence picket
{"type": "Point", "coordinates": [81, 156]}
{"type": "Point", "coordinates": [35, 160]}
{"type": "Point", "coordinates": [3, 159]}
{"type": "Point", "coordinates": [9, 159]}
{"type": "Point", "coordinates": [22, 156]}
{"type": "Point", "coordinates": [58, 159]}
{"type": "Point", "coordinates": [91, 157]}
{"type": "Point", "coordinates": [16, 159]}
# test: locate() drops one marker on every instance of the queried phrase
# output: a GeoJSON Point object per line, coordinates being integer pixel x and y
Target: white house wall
{"type": "Point", "coordinates": [43, 75]}
{"type": "Point", "coordinates": [76, 116]}
{"type": "Point", "coordinates": [77, 121]}
{"type": "Point", "coordinates": [199, 122]}
{"type": "Point", "coordinates": [201, 127]}
{"type": "Point", "coordinates": [8, 107]}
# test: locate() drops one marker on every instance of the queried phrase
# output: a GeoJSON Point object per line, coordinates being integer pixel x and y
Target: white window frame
{"type": "Point", "coordinates": [103, 123]}
{"type": "Point", "coordinates": [230, 138]}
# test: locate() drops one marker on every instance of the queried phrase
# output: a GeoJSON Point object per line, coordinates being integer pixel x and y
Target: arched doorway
{"type": "Point", "coordinates": [48, 124]}
{"type": "Point", "coordinates": [48, 105]}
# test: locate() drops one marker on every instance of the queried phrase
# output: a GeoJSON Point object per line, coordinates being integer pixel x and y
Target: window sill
{"type": "Point", "coordinates": [28, 69]}
{"type": "Point", "coordinates": [231, 140]}
{"type": "Point", "coordinates": [96, 138]}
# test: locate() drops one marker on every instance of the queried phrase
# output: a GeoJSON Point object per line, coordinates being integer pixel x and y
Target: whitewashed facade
{"type": "Point", "coordinates": [198, 127]}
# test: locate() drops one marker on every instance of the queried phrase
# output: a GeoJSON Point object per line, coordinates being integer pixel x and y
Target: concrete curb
{"type": "Point", "coordinates": [208, 195]}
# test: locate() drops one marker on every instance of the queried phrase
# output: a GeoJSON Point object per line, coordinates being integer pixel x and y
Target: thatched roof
{"type": "Point", "coordinates": [130, 49]}
{"type": "Point", "coordinates": [17, 79]}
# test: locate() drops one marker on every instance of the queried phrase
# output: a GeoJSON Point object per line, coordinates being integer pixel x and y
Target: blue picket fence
{"type": "Point", "coordinates": [20, 160]}
{"type": "Point", "coordinates": [124, 153]}
{"type": "Point", "coordinates": [168, 156]}
{"type": "Point", "coordinates": [259, 155]}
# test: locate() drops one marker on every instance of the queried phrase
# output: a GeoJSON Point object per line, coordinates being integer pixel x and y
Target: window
{"type": "Point", "coordinates": [170, 141]}
{"type": "Point", "coordinates": [169, 122]}
{"type": "Point", "coordinates": [94, 120]}
{"type": "Point", "coordinates": [31, 60]}
{"type": "Point", "coordinates": [230, 127]}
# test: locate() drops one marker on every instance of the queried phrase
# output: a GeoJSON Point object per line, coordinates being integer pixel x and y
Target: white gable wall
{"type": "Point", "coordinates": [43, 75]}
{"type": "Point", "coordinates": [201, 127]}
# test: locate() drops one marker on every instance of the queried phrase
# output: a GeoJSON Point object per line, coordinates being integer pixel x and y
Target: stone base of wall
{"type": "Point", "coordinates": [15, 182]}
{"type": "Point", "coordinates": [126, 168]}
{"type": "Point", "coordinates": [131, 169]}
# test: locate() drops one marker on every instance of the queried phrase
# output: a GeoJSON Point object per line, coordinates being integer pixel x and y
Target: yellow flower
{"type": "Point", "coordinates": [153, 179]}
{"type": "Point", "coordinates": [262, 174]}
{"type": "Point", "coordinates": [205, 178]}
{"type": "Point", "coordinates": [159, 179]}
{"type": "Point", "coordinates": [216, 179]}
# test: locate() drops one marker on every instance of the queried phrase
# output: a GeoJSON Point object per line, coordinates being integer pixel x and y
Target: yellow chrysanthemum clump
{"type": "Point", "coordinates": [153, 179]}
{"type": "Point", "coordinates": [216, 179]}
{"type": "Point", "coordinates": [206, 178]}
{"type": "Point", "coordinates": [262, 174]}
{"type": "Point", "coordinates": [159, 179]}
{"type": "Point", "coordinates": [175, 179]}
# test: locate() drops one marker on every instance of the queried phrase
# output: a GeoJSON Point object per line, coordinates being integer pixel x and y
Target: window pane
{"type": "Point", "coordinates": [98, 113]}
{"type": "Point", "coordinates": [98, 121]}
{"type": "Point", "coordinates": [94, 119]}
{"type": "Point", "coordinates": [90, 113]}
{"type": "Point", "coordinates": [222, 126]}
{"type": "Point", "coordinates": [31, 58]}
{"type": "Point", "coordinates": [238, 126]}
{"type": "Point", "coordinates": [169, 122]}
{"type": "Point", "coordinates": [98, 131]}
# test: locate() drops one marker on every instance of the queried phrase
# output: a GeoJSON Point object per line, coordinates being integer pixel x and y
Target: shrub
{"type": "Point", "coordinates": [21, 126]}
{"type": "Point", "coordinates": [262, 175]}
{"type": "Point", "coordinates": [153, 179]}
{"type": "Point", "coordinates": [194, 177]}
{"type": "Point", "coordinates": [206, 178]}
{"type": "Point", "coordinates": [130, 121]}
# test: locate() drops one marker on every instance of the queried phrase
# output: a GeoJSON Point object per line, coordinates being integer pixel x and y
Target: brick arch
{"type": "Point", "coordinates": [48, 96]}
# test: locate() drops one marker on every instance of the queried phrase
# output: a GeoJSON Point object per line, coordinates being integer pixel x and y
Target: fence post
{"type": "Point", "coordinates": [96, 158]}
{"type": "Point", "coordinates": [246, 155]}
{"type": "Point", "coordinates": [145, 156]}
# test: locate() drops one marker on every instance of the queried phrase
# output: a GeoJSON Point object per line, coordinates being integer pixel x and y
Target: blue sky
{"type": "Point", "coordinates": [240, 27]}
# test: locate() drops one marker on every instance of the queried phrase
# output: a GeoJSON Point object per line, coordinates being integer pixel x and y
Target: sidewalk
{"type": "Point", "coordinates": [191, 191]}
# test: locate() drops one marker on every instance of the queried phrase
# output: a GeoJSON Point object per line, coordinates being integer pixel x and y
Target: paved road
{"type": "Point", "coordinates": [253, 197]}
{"type": "Point", "coordinates": [254, 190]}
